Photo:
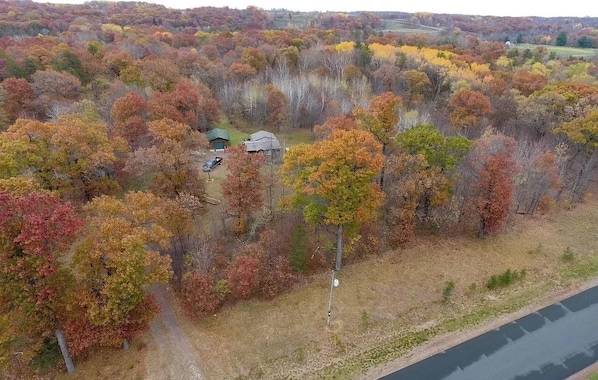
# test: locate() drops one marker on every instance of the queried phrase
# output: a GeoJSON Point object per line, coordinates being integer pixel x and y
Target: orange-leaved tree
{"type": "Point", "coordinates": [333, 180]}
{"type": "Point", "coordinates": [381, 119]}
{"type": "Point", "coordinates": [467, 107]}
{"type": "Point", "coordinates": [442, 154]}
{"type": "Point", "coordinates": [410, 179]}
{"type": "Point", "coordinates": [169, 159]}
{"type": "Point", "coordinates": [73, 155]}
{"type": "Point", "coordinates": [277, 108]}
{"type": "Point", "coordinates": [332, 123]}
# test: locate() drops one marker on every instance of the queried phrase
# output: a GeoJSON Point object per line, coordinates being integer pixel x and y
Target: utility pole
{"type": "Point", "coordinates": [337, 267]}
{"type": "Point", "coordinates": [330, 299]}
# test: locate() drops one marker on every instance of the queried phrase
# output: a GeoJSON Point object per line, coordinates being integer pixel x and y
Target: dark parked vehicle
{"type": "Point", "coordinates": [212, 163]}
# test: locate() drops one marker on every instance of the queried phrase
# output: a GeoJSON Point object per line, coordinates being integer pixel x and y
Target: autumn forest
{"type": "Point", "coordinates": [437, 127]}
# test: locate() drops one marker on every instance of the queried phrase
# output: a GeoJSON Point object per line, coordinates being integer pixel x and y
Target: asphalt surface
{"type": "Point", "coordinates": [550, 344]}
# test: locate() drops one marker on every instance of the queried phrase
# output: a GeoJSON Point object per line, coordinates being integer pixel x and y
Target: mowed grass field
{"type": "Point", "coordinates": [562, 51]}
{"type": "Point", "coordinates": [401, 26]}
{"type": "Point", "coordinates": [385, 305]}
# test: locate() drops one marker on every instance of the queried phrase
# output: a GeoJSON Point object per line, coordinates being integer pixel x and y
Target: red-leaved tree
{"type": "Point", "coordinates": [129, 113]}
{"type": "Point", "coordinates": [275, 272]}
{"type": "Point", "coordinates": [242, 187]}
{"type": "Point", "coordinates": [243, 276]}
{"type": "Point", "coordinates": [18, 98]}
{"type": "Point", "coordinates": [494, 171]}
{"type": "Point", "coordinates": [198, 293]}
{"type": "Point", "coordinates": [36, 230]}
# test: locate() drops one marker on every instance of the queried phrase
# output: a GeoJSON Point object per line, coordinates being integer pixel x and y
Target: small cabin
{"type": "Point", "coordinates": [219, 139]}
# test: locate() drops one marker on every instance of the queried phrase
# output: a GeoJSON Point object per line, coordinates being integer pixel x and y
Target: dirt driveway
{"type": "Point", "coordinates": [175, 359]}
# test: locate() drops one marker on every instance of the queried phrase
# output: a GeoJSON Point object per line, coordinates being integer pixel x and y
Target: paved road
{"type": "Point", "coordinates": [550, 344]}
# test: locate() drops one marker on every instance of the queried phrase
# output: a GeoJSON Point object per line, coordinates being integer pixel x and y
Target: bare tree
{"type": "Point", "coordinates": [538, 178]}
{"type": "Point", "coordinates": [335, 61]}
{"type": "Point", "coordinates": [202, 252]}
{"type": "Point", "coordinates": [308, 60]}
{"type": "Point", "coordinates": [296, 90]}
{"type": "Point", "coordinates": [254, 102]}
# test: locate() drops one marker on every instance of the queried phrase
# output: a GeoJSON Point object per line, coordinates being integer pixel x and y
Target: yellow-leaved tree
{"type": "Point", "coordinates": [582, 134]}
{"type": "Point", "coordinates": [115, 263]}
{"type": "Point", "coordinates": [333, 180]}
{"type": "Point", "coordinates": [73, 155]}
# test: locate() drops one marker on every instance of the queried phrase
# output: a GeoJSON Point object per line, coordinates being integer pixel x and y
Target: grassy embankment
{"type": "Point", "coordinates": [389, 304]}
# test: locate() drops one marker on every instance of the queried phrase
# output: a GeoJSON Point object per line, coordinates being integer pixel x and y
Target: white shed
{"type": "Point", "coordinates": [262, 141]}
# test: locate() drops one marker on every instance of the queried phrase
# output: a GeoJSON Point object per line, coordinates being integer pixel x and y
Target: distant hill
{"type": "Point", "coordinates": [27, 18]}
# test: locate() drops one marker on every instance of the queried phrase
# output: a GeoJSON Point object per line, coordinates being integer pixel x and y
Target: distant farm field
{"type": "Point", "coordinates": [562, 51]}
{"type": "Point", "coordinates": [400, 26]}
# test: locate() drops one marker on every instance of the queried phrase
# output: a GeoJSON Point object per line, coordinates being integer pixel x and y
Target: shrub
{"type": "Point", "coordinates": [403, 231]}
{"type": "Point", "coordinates": [536, 250]}
{"type": "Point", "coordinates": [369, 243]}
{"type": "Point", "coordinates": [447, 293]}
{"type": "Point", "coordinates": [243, 276]}
{"type": "Point", "coordinates": [276, 276]}
{"type": "Point", "coordinates": [198, 293]}
{"type": "Point", "coordinates": [365, 319]}
{"type": "Point", "coordinates": [301, 354]}
{"type": "Point", "coordinates": [473, 287]}
{"type": "Point", "coordinates": [568, 255]}
{"type": "Point", "coordinates": [545, 204]}
{"type": "Point", "coordinates": [340, 346]}
{"type": "Point", "coordinates": [298, 252]}
{"type": "Point", "coordinates": [504, 279]}
{"type": "Point", "coordinates": [222, 289]}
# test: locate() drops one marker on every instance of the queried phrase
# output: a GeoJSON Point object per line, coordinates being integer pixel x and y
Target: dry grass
{"type": "Point", "coordinates": [287, 337]}
{"type": "Point", "coordinates": [112, 364]}
{"type": "Point", "coordinates": [400, 295]}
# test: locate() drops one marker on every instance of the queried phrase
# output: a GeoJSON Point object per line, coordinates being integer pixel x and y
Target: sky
{"type": "Point", "coordinates": [544, 8]}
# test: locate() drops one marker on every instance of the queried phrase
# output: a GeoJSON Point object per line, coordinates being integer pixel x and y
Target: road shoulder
{"type": "Point", "coordinates": [446, 341]}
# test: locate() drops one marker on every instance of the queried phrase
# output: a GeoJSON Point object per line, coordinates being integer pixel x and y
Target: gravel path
{"type": "Point", "coordinates": [176, 359]}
